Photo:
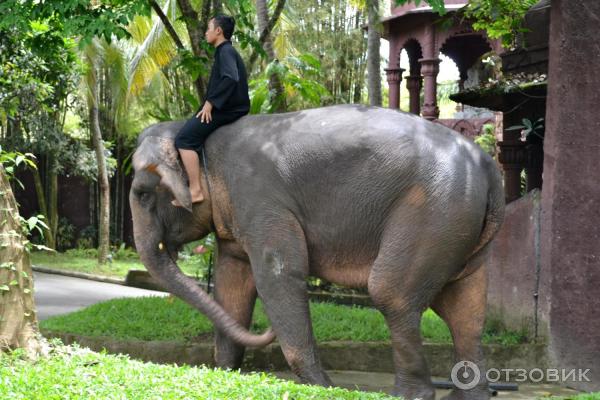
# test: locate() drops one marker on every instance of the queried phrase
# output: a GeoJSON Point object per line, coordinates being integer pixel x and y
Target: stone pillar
{"type": "Point", "coordinates": [430, 68]}
{"type": "Point", "coordinates": [394, 77]}
{"type": "Point", "coordinates": [512, 156]}
{"type": "Point", "coordinates": [570, 225]}
{"type": "Point", "coordinates": [413, 84]}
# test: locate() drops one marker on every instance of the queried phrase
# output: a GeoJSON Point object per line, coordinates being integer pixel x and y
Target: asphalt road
{"type": "Point", "coordinates": [57, 294]}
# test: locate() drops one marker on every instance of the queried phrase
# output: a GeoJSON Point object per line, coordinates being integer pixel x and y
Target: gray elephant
{"type": "Point", "coordinates": [359, 196]}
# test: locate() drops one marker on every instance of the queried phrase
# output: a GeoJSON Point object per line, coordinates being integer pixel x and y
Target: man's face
{"type": "Point", "coordinates": [212, 32]}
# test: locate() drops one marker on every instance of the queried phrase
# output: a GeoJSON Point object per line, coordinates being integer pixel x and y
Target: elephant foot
{"type": "Point", "coordinates": [478, 393]}
{"type": "Point", "coordinates": [315, 376]}
{"type": "Point", "coordinates": [413, 393]}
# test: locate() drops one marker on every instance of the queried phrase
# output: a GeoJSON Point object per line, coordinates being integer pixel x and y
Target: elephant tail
{"type": "Point", "coordinates": [494, 215]}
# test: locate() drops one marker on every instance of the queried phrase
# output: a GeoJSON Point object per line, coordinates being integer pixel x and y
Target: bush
{"type": "Point", "coordinates": [65, 234]}
{"type": "Point", "coordinates": [88, 238]}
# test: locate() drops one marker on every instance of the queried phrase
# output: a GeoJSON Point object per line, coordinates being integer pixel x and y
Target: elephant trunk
{"type": "Point", "coordinates": [161, 266]}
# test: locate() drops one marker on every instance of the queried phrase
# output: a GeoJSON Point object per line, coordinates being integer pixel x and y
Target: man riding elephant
{"type": "Point", "coordinates": [226, 100]}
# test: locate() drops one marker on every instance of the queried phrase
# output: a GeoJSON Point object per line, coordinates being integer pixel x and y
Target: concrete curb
{"type": "Point", "coordinates": [341, 356]}
{"type": "Point", "coordinates": [81, 275]}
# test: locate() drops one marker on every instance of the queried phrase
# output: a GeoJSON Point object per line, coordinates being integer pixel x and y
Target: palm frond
{"type": "Point", "coordinates": [155, 51]}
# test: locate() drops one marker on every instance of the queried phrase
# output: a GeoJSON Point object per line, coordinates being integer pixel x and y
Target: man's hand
{"type": "Point", "coordinates": [205, 114]}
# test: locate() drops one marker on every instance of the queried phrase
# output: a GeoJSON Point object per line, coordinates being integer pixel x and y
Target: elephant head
{"type": "Point", "coordinates": [160, 228]}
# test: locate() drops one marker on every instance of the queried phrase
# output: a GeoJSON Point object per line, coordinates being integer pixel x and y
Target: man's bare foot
{"type": "Point", "coordinates": [196, 198]}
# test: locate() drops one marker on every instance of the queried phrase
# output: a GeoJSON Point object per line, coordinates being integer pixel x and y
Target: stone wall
{"type": "Point", "coordinates": [513, 268]}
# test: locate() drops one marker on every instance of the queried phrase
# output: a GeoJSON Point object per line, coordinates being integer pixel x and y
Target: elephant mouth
{"type": "Point", "coordinates": [173, 253]}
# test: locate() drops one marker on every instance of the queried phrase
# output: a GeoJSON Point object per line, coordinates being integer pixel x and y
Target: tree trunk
{"type": "Point", "coordinates": [104, 223]}
{"type": "Point", "coordinates": [373, 57]}
{"type": "Point", "coordinates": [275, 84]}
{"type": "Point", "coordinates": [39, 191]}
{"type": "Point", "coordinates": [167, 24]}
{"type": "Point", "coordinates": [53, 202]}
{"type": "Point", "coordinates": [18, 320]}
{"type": "Point", "coordinates": [196, 28]}
{"type": "Point", "coordinates": [264, 33]}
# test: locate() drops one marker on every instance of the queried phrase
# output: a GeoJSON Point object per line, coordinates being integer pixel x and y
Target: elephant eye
{"type": "Point", "coordinates": [143, 196]}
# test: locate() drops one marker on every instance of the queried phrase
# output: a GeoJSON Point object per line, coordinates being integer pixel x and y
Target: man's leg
{"type": "Point", "coordinates": [191, 162]}
{"type": "Point", "coordinates": [189, 140]}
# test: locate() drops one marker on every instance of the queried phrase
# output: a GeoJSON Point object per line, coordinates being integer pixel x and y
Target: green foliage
{"type": "Point", "coordinates": [437, 5]}
{"type": "Point", "coordinates": [299, 76]}
{"type": "Point", "coordinates": [85, 19]}
{"type": "Point", "coordinates": [487, 139]}
{"type": "Point", "coordinates": [331, 31]}
{"type": "Point", "coordinates": [529, 128]}
{"type": "Point", "coordinates": [196, 262]}
{"type": "Point", "coordinates": [499, 18]}
{"type": "Point", "coordinates": [11, 160]}
{"type": "Point", "coordinates": [32, 224]}
{"type": "Point", "coordinates": [159, 318]}
{"type": "Point", "coordinates": [65, 234]}
{"type": "Point", "coordinates": [19, 78]}
{"type": "Point", "coordinates": [88, 237]}
{"type": "Point", "coordinates": [76, 373]}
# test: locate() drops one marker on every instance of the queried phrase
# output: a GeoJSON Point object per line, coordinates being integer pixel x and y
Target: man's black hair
{"type": "Point", "coordinates": [226, 23]}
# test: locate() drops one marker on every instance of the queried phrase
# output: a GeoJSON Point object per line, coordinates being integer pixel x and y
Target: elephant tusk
{"type": "Point", "coordinates": [161, 246]}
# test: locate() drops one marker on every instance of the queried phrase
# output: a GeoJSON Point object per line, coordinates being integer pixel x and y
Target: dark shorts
{"type": "Point", "coordinates": [194, 133]}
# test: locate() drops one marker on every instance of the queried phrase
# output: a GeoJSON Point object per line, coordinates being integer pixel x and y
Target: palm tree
{"type": "Point", "coordinates": [275, 83]}
{"type": "Point", "coordinates": [92, 54]}
{"type": "Point", "coordinates": [373, 57]}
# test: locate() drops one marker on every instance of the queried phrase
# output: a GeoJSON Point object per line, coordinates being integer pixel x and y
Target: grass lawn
{"type": "Point", "coordinates": [155, 318]}
{"type": "Point", "coordinates": [80, 261]}
{"type": "Point", "coordinates": [74, 373]}
{"type": "Point", "coordinates": [70, 372]}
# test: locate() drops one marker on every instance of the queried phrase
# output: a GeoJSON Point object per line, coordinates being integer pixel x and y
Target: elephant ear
{"type": "Point", "coordinates": [159, 156]}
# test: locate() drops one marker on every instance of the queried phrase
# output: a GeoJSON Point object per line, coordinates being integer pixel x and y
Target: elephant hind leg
{"type": "Point", "coordinates": [461, 304]}
{"type": "Point", "coordinates": [402, 297]}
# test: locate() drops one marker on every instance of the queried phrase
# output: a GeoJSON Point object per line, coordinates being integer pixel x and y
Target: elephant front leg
{"type": "Point", "coordinates": [236, 292]}
{"type": "Point", "coordinates": [279, 261]}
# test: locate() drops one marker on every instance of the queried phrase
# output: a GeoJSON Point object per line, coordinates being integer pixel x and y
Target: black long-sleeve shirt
{"type": "Point", "coordinates": [228, 84]}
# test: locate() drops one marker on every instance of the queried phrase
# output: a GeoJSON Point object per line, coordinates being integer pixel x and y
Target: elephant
{"type": "Point", "coordinates": [360, 196]}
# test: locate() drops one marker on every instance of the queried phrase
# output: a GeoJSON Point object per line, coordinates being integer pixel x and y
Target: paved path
{"type": "Point", "coordinates": [382, 382]}
{"type": "Point", "coordinates": [57, 294]}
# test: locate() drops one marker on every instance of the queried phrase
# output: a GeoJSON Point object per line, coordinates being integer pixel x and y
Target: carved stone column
{"type": "Point", "coordinates": [429, 69]}
{"type": "Point", "coordinates": [413, 84]}
{"type": "Point", "coordinates": [513, 157]}
{"type": "Point", "coordinates": [394, 77]}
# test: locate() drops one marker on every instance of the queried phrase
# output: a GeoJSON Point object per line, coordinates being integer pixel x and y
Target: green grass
{"type": "Point", "coordinates": [583, 396]}
{"type": "Point", "coordinates": [75, 373]}
{"type": "Point", "coordinates": [156, 318]}
{"type": "Point", "coordinates": [83, 261]}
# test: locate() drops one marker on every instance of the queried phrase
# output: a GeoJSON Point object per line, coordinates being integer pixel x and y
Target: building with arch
{"type": "Point", "coordinates": [424, 35]}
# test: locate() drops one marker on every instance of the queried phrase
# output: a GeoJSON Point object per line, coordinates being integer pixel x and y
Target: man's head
{"type": "Point", "coordinates": [220, 28]}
